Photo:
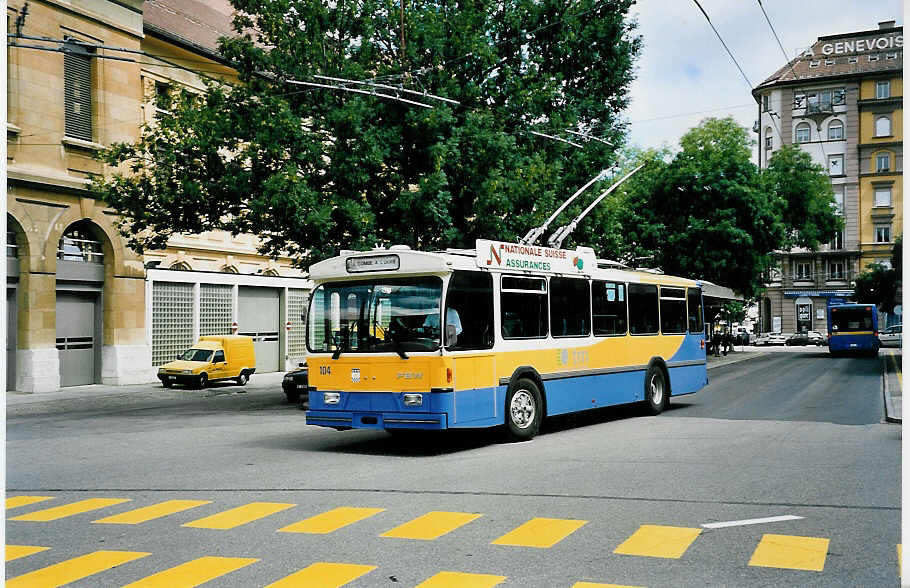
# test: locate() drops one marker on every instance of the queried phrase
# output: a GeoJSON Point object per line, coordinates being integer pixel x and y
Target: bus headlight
{"type": "Point", "coordinates": [331, 397]}
{"type": "Point", "coordinates": [413, 399]}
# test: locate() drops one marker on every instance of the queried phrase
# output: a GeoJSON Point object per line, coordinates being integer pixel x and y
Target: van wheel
{"type": "Point", "coordinates": [293, 397]}
{"type": "Point", "coordinates": [167, 383]}
{"type": "Point", "coordinates": [656, 390]}
{"type": "Point", "coordinates": [243, 378]}
{"type": "Point", "coordinates": [203, 380]}
{"type": "Point", "coordinates": [524, 410]}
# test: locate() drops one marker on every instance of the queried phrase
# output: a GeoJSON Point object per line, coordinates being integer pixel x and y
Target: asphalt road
{"type": "Point", "coordinates": [612, 497]}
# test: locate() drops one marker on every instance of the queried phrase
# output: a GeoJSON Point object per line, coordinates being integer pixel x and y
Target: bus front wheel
{"type": "Point", "coordinates": [524, 410]}
{"type": "Point", "coordinates": [656, 393]}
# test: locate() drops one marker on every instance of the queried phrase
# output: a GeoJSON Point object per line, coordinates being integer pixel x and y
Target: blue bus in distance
{"type": "Point", "coordinates": [853, 328]}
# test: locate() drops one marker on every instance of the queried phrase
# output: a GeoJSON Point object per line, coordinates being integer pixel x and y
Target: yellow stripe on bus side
{"type": "Point", "coordinates": [17, 551]}
{"type": "Point", "coordinates": [239, 516]}
{"type": "Point", "coordinates": [17, 501]}
{"type": "Point", "coordinates": [74, 569]}
{"type": "Point", "coordinates": [540, 532]}
{"type": "Point", "coordinates": [68, 510]}
{"type": "Point", "coordinates": [331, 520]}
{"type": "Point", "coordinates": [431, 525]}
{"type": "Point", "coordinates": [461, 580]}
{"type": "Point", "coordinates": [323, 575]}
{"type": "Point", "coordinates": [155, 511]}
{"type": "Point", "coordinates": [193, 573]}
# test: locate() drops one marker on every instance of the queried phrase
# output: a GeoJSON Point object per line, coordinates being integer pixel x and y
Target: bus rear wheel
{"type": "Point", "coordinates": [656, 394]}
{"type": "Point", "coordinates": [524, 410]}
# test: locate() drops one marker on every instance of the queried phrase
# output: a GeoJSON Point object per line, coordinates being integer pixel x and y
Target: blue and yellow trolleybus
{"type": "Point", "coordinates": [853, 328]}
{"type": "Point", "coordinates": [502, 335]}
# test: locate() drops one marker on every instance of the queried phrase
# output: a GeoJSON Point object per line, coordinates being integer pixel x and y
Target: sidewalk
{"type": "Point", "coordinates": [733, 357]}
{"type": "Point", "coordinates": [269, 382]}
{"type": "Point", "coordinates": [892, 384]}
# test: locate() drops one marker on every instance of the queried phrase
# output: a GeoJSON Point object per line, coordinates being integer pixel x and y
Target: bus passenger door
{"type": "Point", "coordinates": [475, 389]}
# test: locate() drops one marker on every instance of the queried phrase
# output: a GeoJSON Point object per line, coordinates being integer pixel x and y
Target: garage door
{"type": "Point", "coordinates": [258, 316]}
{"type": "Point", "coordinates": [11, 327]}
{"type": "Point", "coordinates": [76, 338]}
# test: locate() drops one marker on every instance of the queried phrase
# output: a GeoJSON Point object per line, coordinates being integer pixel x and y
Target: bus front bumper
{"type": "Point", "coordinates": [376, 420]}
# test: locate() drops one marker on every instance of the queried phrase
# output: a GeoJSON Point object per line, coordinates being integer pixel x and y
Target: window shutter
{"type": "Point", "coordinates": [77, 89]}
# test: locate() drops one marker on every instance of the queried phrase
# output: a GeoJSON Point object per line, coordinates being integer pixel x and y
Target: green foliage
{"type": "Point", "coordinates": [708, 212]}
{"type": "Point", "coordinates": [878, 284]}
{"type": "Point", "coordinates": [314, 170]}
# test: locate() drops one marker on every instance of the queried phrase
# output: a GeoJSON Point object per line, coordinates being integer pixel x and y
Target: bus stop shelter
{"type": "Point", "coordinates": [714, 298]}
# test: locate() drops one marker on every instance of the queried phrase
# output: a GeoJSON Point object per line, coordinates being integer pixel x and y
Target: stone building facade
{"type": "Point", "coordinates": [81, 306]}
{"type": "Point", "coordinates": [840, 101]}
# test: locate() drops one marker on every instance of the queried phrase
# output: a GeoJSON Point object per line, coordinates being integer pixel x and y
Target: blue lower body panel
{"type": "Point", "coordinates": [854, 343]}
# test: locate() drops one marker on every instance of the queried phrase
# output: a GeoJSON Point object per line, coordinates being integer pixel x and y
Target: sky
{"type": "Point", "coordinates": [684, 74]}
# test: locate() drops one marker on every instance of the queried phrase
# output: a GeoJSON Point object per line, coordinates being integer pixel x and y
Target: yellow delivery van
{"type": "Point", "coordinates": [212, 358]}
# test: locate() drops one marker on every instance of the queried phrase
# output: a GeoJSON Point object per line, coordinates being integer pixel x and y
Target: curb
{"type": "Point", "coordinates": [886, 392]}
{"type": "Point", "coordinates": [738, 359]}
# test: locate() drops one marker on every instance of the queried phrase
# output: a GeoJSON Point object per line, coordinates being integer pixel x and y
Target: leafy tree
{"type": "Point", "coordinates": [879, 284]}
{"type": "Point", "coordinates": [708, 211]}
{"type": "Point", "coordinates": [807, 197]}
{"type": "Point", "coordinates": [313, 170]}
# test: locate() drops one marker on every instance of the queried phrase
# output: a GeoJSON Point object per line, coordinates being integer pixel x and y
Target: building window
{"type": "Point", "coordinates": [802, 271]}
{"type": "Point", "coordinates": [883, 233]}
{"type": "Point", "coordinates": [883, 89]}
{"type": "Point", "coordinates": [883, 126]}
{"type": "Point", "coordinates": [77, 90]}
{"type": "Point", "coordinates": [766, 102]}
{"type": "Point", "coordinates": [883, 197]}
{"type": "Point", "coordinates": [835, 130]}
{"type": "Point", "coordinates": [836, 165]}
{"type": "Point", "coordinates": [837, 242]}
{"type": "Point", "coordinates": [12, 250]}
{"type": "Point", "coordinates": [852, 59]}
{"type": "Point", "coordinates": [769, 139]}
{"type": "Point", "coordinates": [837, 270]}
{"type": "Point", "coordinates": [79, 244]}
{"type": "Point", "coordinates": [839, 200]}
{"type": "Point", "coordinates": [162, 99]}
{"type": "Point", "coordinates": [883, 162]}
{"type": "Point", "coordinates": [873, 57]}
{"type": "Point", "coordinates": [802, 133]}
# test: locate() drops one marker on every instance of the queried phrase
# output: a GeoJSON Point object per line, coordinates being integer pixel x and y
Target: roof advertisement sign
{"type": "Point", "coordinates": [533, 258]}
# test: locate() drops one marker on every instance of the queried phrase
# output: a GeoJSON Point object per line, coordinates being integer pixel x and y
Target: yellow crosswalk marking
{"type": "Point", "coordinates": [155, 511]}
{"type": "Point", "coordinates": [239, 516]}
{"type": "Point", "coordinates": [540, 532]}
{"type": "Point", "coordinates": [596, 585]}
{"type": "Point", "coordinates": [431, 525]}
{"type": "Point", "coordinates": [17, 501]}
{"type": "Point", "coordinates": [790, 552]}
{"type": "Point", "coordinates": [68, 510]}
{"type": "Point", "coordinates": [193, 573]}
{"type": "Point", "coordinates": [331, 520]}
{"type": "Point", "coordinates": [17, 551]}
{"type": "Point", "coordinates": [659, 541]}
{"type": "Point", "coordinates": [74, 569]}
{"type": "Point", "coordinates": [323, 575]}
{"type": "Point", "coordinates": [461, 580]}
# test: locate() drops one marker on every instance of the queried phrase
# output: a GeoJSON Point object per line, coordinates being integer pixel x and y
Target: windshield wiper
{"type": "Point", "coordinates": [396, 345]}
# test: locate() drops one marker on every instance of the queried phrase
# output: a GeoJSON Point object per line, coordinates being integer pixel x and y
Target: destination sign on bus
{"type": "Point", "coordinates": [373, 263]}
{"type": "Point", "coordinates": [515, 256]}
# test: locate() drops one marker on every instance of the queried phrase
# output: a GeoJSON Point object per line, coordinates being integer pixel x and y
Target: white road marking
{"type": "Point", "coordinates": [750, 522]}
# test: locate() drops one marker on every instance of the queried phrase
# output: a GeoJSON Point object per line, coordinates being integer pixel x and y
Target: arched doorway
{"type": "Point", "coordinates": [80, 283]}
{"type": "Point", "coordinates": [16, 247]}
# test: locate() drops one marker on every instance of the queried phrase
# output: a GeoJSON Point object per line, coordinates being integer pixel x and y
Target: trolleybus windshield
{"type": "Point", "coordinates": [381, 315]}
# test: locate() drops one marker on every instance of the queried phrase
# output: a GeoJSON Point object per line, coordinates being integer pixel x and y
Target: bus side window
{"type": "Point", "coordinates": [469, 301]}
{"type": "Point", "coordinates": [696, 319]}
{"type": "Point", "coordinates": [523, 306]}
{"type": "Point", "coordinates": [609, 308]}
{"type": "Point", "coordinates": [643, 309]}
{"type": "Point", "coordinates": [672, 311]}
{"type": "Point", "coordinates": [570, 301]}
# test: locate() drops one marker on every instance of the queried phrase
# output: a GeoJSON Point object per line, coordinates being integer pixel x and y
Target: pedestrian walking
{"type": "Point", "coordinates": [726, 342]}
{"type": "Point", "coordinates": [715, 343]}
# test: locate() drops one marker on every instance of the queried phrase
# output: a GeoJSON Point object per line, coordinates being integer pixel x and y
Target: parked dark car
{"type": "Point", "coordinates": [296, 385]}
{"type": "Point", "coordinates": [801, 338]}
